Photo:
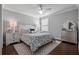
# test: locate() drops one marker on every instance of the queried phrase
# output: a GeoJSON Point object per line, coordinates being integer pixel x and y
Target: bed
{"type": "Point", "coordinates": [35, 40]}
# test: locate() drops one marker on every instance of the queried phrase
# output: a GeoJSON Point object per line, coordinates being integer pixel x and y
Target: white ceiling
{"type": "Point", "coordinates": [32, 9]}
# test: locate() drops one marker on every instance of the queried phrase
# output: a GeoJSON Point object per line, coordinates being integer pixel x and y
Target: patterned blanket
{"type": "Point", "coordinates": [35, 40]}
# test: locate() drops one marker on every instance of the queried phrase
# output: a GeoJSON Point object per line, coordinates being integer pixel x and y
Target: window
{"type": "Point", "coordinates": [44, 24]}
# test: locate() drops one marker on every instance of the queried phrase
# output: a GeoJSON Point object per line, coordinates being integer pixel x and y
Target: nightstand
{"type": "Point", "coordinates": [12, 37]}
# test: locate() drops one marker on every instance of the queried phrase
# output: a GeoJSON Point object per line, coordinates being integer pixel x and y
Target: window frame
{"type": "Point", "coordinates": [44, 25]}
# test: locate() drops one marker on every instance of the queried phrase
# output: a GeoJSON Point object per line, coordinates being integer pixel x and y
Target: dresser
{"type": "Point", "coordinates": [12, 37]}
{"type": "Point", "coordinates": [69, 36]}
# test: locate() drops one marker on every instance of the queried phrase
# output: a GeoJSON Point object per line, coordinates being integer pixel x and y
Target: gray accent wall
{"type": "Point", "coordinates": [20, 18]}
{"type": "Point", "coordinates": [56, 21]}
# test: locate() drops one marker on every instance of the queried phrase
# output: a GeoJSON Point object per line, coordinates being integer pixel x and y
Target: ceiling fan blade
{"type": "Point", "coordinates": [49, 9]}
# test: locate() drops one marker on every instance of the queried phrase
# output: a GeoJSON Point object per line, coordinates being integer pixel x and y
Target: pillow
{"type": "Point", "coordinates": [25, 31]}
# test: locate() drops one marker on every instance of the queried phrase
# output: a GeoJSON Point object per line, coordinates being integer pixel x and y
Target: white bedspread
{"type": "Point", "coordinates": [35, 40]}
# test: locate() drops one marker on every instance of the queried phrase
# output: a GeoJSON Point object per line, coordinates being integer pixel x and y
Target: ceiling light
{"type": "Point", "coordinates": [41, 9]}
{"type": "Point", "coordinates": [41, 12]}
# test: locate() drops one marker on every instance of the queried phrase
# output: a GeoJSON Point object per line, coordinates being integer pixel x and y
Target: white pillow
{"type": "Point", "coordinates": [24, 31]}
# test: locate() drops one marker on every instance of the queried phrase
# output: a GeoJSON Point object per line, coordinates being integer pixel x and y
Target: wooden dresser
{"type": "Point", "coordinates": [69, 36]}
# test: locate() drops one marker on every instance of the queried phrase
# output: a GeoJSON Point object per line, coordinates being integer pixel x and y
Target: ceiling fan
{"type": "Point", "coordinates": [42, 9]}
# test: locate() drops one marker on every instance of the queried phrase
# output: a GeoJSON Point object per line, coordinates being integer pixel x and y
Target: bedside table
{"type": "Point", "coordinates": [12, 38]}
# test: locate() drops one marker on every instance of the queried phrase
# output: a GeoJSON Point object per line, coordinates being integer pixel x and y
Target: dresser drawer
{"type": "Point", "coordinates": [12, 38]}
{"type": "Point", "coordinates": [69, 36]}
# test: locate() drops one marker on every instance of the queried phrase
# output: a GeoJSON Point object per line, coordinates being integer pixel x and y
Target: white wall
{"type": "Point", "coordinates": [20, 18]}
{"type": "Point", "coordinates": [56, 21]}
{"type": "Point", "coordinates": [1, 33]}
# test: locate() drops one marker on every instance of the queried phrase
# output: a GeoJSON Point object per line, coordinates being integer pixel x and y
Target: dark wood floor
{"type": "Point", "coordinates": [9, 50]}
{"type": "Point", "coordinates": [62, 49]}
{"type": "Point", "coordinates": [65, 49]}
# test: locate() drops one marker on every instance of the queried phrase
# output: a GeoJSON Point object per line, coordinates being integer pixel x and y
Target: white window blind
{"type": "Point", "coordinates": [44, 24]}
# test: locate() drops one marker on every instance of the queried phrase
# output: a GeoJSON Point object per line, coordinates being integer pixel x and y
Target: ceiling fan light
{"type": "Point", "coordinates": [41, 12]}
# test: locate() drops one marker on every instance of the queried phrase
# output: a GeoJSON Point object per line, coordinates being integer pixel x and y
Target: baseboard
{"type": "Point", "coordinates": [69, 42]}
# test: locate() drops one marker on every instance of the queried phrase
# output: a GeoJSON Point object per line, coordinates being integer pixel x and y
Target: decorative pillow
{"type": "Point", "coordinates": [24, 31]}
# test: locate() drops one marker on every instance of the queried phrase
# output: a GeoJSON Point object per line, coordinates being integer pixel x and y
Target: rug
{"type": "Point", "coordinates": [23, 49]}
